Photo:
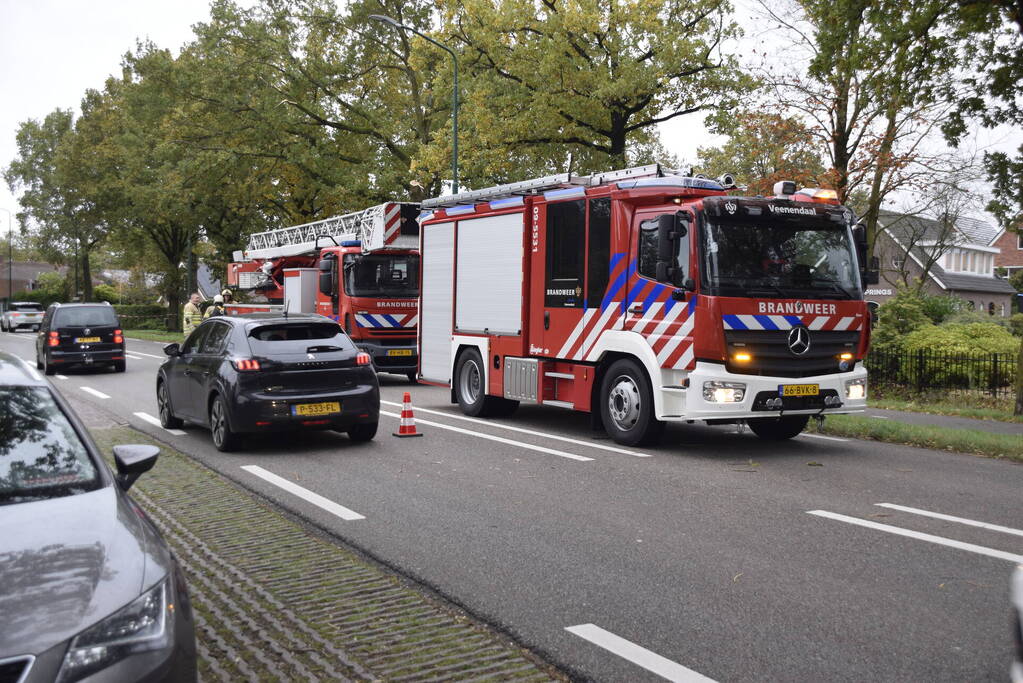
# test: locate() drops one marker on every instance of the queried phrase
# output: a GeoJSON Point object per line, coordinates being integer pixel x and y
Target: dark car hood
{"type": "Point", "coordinates": [68, 562]}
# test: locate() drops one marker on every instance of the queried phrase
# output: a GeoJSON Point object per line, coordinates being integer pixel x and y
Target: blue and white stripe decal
{"type": "Point", "coordinates": [385, 321]}
{"type": "Point", "coordinates": [785, 322]}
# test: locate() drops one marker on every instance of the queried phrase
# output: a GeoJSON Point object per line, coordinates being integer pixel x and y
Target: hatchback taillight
{"type": "Point", "coordinates": [118, 337]}
{"type": "Point", "coordinates": [363, 358]}
{"type": "Point", "coordinates": [245, 364]}
{"type": "Point", "coordinates": [54, 339]}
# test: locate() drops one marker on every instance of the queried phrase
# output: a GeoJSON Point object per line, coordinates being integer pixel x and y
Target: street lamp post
{"type": "Point", "coordinates": [454, 94]}
{"type": "Point", "coordinates": [10, 256]}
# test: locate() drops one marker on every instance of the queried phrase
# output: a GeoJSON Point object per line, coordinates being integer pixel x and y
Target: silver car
{"type": "Point", "coordinates": [22, 314]}
{"type": "Point", "coordinates": [88, 587]}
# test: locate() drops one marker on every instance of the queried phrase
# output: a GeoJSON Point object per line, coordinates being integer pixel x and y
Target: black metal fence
{"type": "Point", "coordinates": [989, 374]}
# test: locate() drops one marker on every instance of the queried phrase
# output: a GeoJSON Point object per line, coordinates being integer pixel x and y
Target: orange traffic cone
{"type": "Point", "coordinates": [408, 420]}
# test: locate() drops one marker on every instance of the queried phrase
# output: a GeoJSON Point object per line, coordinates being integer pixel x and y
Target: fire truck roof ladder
{"type": "Point", "coordinates": [367, 226]}
{"type": "Point", "coordinates": [545, 184]}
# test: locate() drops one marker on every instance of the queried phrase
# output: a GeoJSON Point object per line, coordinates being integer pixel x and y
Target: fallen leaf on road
{"type": "Point", "coordinates": [736, 577]}
{"type": "Point", "coordinates": [814, 463]}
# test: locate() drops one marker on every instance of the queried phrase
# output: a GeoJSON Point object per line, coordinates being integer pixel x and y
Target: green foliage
{"type": "Point", "coordinates": [1016, 324]}
{"type": "Point", "coordinates": [966, 317]}
{"type": "Point", "coordinates": [940, 308]}
{"type": "Point", "coordinates": [974, 342]}
{"type": "Point", "coordinates": [51, 288]}
{"type": "Point", "coordinates": [965, 338]}
{"type": "Point", "coordinates": [105, 293]}
{"type": "Point", "coordinates": [897, 317]}
{"type": "Point", "coordinates": [1016, 279]}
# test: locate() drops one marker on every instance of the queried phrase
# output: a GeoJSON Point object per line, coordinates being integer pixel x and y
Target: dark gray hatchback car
{"type": "Point", "coordinates": [88, 588]}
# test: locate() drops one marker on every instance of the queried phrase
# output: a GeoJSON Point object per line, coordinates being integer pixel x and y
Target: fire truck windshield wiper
{"type": "Point", "coordinates": [835, 285]}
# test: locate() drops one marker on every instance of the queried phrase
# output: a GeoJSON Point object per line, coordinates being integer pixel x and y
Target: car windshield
{"type": "Point", "coordinates": [85, 316]}
{"type": "Point", "coordinates": [778, 257]}
{"type": "Point", "coordinates": [41, 456]}
{"type": "Point", "coordinates": [298, 337]}
{"type": "Point", "coordinates": [27, 308]}
{"type": "Point", "coordinates": [385, 276]}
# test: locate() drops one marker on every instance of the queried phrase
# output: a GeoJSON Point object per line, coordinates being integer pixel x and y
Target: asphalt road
{"type": "Point", "coordinates": [715, 554]}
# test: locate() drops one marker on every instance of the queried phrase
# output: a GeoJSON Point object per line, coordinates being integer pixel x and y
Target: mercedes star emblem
{"type": "Point", "coordinates": [799, 340]}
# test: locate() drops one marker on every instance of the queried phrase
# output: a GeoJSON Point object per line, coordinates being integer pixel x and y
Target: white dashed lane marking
{"type": "Point", "coordinates": [97, 394]}
{"type": "Point", "coordinates": [303, 493]}
{"type": "Point", "coordinates": [640, 656]}
{"type": "Point", "coordinates": [146, 417]}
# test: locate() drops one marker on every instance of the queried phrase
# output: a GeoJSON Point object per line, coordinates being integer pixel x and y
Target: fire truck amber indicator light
{"type": "Point", "coordinates": [742, 357]}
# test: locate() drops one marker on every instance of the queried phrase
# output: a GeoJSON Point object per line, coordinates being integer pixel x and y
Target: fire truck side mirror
{"type": "Point", "coordinates": [326, 283]}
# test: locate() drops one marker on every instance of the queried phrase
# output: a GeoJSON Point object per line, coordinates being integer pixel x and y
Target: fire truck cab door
{"type": "Point", "coordinates": [573, 260]}
{"type": "Point", "coordinates": [662, 312]}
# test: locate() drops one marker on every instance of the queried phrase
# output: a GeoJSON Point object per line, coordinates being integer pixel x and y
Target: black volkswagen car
{"type": "Point", "coordinates": [88, 587]}
{"type": "Point", "coordinates": [80, 334]}
{"type": "Point", "coordinates": [264, 372]}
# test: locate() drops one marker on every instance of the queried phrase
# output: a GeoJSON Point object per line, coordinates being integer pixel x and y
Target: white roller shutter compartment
{"type": "Point", "coordinates": [489, 275]}
{"type": "Point", "coordinates": [437, 302]}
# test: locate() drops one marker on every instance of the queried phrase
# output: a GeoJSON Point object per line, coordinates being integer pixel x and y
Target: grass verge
{"type": "Point", "coordinates": [943, 408]}
{"type": "Point", "coordinates": [1008, 446]}
{"type": "Point", "coordinates": [155, 335]}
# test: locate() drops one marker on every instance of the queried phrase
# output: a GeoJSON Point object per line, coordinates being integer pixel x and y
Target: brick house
{"type": "Point", "coordinates": [23, 275]}
{"type": "Point", "coordinates": [959, 260]}
{"type": "Point", "coordinates": [1010, 246]}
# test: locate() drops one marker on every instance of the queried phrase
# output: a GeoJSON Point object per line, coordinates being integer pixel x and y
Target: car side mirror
{"type": "Point", "coordinates": [172, 349]}
{"type": "Point", "coordinates": [133, 461]}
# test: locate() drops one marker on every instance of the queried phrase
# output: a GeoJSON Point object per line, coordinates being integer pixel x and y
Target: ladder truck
{"type": "Point", "coordinates": [360, 269]}
{"type": "Point", "coordinates": [645, 296]}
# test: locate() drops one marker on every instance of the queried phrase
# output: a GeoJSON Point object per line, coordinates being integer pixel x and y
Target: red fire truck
{"type": "Point", "coordinates": [361, 269]}
{"type": "Point", "coordinates": [644, 296]}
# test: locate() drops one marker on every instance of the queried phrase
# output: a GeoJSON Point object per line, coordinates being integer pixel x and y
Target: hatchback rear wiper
{"type": "Point", "coordinates": [323, 349]}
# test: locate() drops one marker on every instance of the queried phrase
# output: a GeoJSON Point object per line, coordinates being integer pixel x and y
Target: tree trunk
{"type": "Point", "coordinates": [86, 274]}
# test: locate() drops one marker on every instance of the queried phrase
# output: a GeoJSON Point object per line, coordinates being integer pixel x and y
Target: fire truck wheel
{"type": "Point", "coordinates": [778, 428]}
{"type": "Point", "coordinates": [627, 405]}
{"type": "Point", "coordinates": [471, 391]}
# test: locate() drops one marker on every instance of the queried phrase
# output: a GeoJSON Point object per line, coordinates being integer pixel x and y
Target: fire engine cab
{"type": "Point", "coordinates": [644, 296]}
{"type": "Point", "coordinates": [361, 269]}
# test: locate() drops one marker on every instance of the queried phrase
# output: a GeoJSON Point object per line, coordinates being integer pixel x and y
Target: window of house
{"type": "Point", "coordinates": [1019, 240]}
{"type": "Point", "coordinates": [897, 262]}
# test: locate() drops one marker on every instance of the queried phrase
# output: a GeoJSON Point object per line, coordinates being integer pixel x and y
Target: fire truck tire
{"type": "Point", "coordinates": [471, 392]}
{"type": "Point", "coordinates": [627, 405]}
{"type": "Point", "coordinates": [778, 428]}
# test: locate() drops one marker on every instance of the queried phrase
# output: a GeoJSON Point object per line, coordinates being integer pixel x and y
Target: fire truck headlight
{"type": "Point", "coordinates": [856, 389]}
{"type": "Point", "coordinates": [724, 392]}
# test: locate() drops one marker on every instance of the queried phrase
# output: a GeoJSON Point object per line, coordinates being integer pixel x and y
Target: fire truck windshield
{"type": "Point", "coordinates": [384, 276]}
{"type": "Point", "coordinates": [778, 258]}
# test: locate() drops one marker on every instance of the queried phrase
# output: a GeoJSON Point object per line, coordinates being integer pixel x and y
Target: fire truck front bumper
{"type": "Point", "coordinates": [713, 393]}
{"type": "Point", "coordinates": [388, 356]}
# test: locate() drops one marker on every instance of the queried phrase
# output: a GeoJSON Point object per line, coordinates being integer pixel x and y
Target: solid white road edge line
{"type": "Point", "coordinates": [305, 494]}
{"type": "Point", "coordinates": [499, 439]}
{"type": "Point", "coordinates": [129, 355]}
{"type": "Point", "coordinates": [950, 518]}
{"type": "Point", "coordinates": [940, 540]}
{"type": "Point", "coordinates": [61, 376]}
{"type": "Point", "coordinates": [97, 394]}
{"type": "Point", "coordinates": [155, 421]}
{"type": "Point", "coordinates": [879, 417]}
{"type": "Point", "coordinates": [821, 436]}
{"type": "Point", "coordinates": [527, 431]}
{"type": "Point", "coordinates": [640, 656]}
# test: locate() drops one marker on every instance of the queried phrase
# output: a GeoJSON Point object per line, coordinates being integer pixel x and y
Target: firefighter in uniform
{"type": "Point", "coordinates": [192, 314]}
{"type": "Point", "coordinates": [216, 309]}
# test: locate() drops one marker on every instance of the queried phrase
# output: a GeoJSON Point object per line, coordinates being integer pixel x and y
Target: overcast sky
{"type": "Point", "coordinates": [53, 50]}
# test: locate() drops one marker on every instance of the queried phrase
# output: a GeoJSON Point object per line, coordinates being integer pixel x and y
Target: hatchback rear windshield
{"type": "Point", "coordinates": [41, 455]}
{"type": "Point", "coordinates": [33, 308]}
{"type": "Point", "coordinates": [85, 316]}
{"type": "Point", "coordinates": [298, 337]}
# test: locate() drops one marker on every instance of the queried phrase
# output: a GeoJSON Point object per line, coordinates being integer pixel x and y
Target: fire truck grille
{"type": "Point", "coordinates": [771, 356]}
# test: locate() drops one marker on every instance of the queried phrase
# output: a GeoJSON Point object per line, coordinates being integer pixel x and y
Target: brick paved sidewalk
{"type": "Point", "coordinates": [274, 601]}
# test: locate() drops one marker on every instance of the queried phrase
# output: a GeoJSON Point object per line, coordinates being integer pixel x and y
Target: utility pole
{"type": "Point", "coordinates": [10, 255]}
